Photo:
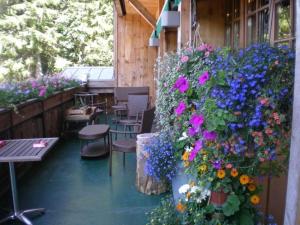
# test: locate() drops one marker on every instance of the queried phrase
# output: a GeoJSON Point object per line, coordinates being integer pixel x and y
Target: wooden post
{"type": "Point", "coordinates": [185, 29]}
{"type": "Point", "coordinates": [292, 209]}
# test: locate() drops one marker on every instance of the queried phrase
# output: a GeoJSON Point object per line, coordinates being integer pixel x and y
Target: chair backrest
{"type": "Point", "coordinates": [121, 93]}
{"type": "Point", "coordinates": [137, 104]}
{"type": "Point", "coordinates": [147, 120]}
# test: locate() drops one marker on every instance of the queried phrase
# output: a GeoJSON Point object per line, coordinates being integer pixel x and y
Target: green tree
{"type": "Point", "coordinates": [44, 36]}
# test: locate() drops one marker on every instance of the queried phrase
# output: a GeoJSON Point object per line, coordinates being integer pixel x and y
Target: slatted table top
{"type": "Point", "coordinates": [22, 150]}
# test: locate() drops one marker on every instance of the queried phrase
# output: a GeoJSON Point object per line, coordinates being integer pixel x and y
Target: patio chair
{"type": "Point", "coordinates": [128, 145]}
{"type": "Point", "coordinates": [137, 104]}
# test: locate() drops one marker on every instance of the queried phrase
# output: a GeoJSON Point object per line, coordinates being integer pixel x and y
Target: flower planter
{"type": "Point", "coordinates": [68, 94]}
{"type": "Point", "coordinates": [26, 111]}
{"type": "Point", "coordinates": [5, 119]}
{"type": "Point", "coordinates": [170, 19]}
{"type": "Point", "coordinates": [52, 101]}
{"type": "Point", "coordinates": [218, 198]}
{"type": "Point", "coordinates": [180, 179]}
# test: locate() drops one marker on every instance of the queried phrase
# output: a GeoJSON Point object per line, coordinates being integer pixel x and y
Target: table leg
{"type": "Point", "coordinates": [17, 214]}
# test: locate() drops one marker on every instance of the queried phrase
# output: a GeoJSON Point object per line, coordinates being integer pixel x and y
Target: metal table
{"type": "Point", "coordinates": [22, 150]}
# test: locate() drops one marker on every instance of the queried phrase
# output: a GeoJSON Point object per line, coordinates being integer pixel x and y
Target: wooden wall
{"type": "Point", "coordinates": [134, 59]}
{"type": "Point", "coordinates": [211, 16]}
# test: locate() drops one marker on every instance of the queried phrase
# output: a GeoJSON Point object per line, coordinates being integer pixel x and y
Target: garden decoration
{"type": "Point", "coordinates": [229, 114]}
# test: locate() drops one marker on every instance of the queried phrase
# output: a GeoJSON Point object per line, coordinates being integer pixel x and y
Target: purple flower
{"type": "Point", "coordinates": [180, 108]}
{"type": "Point", "coordinates": [217, 164]}
{"type": "Point", "coordinates": [184, 59]}
{"type": "Point", "coordinates": [210, 135]}
{"type": "Point", "coordinates": [182, 84]}
{"type": "Point", "coordinates": [34, 84]}
{"type": "Point", "coordinates": [203, 78]}
{"type": "Point", "coordinates": [42, 91]}
{"type": "Point", "coordinates": [196, 149]}
{"type": "Point", "coordinates": [197, 120]}
{"type": "Point", "coordinates": [192, 131]}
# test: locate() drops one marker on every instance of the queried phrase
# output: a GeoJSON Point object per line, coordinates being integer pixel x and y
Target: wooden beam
{"type": "Point", "coordinates": [292, 208]}
{"type": "Point", "coordinates": [120, 7]}
{"type": "Point", "coordinates": [143, 12]}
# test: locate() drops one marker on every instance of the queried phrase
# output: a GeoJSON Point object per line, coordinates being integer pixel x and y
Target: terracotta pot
{"type": "Point", "coordinates": [218, 198]}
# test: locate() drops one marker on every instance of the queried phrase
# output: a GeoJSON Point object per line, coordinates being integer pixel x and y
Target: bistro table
{"type": "Point", "coordinates": [22, 150]}
{"type": "Point", "coordinates": [92, 133]}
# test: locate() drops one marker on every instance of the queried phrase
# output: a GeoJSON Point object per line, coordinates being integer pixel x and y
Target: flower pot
{"type": "Point", "coordinates": [180, 179]}
{"type": "Point", "coordinates": [170, 19]}
{"type": "Point", "coordinates": [218, 198]}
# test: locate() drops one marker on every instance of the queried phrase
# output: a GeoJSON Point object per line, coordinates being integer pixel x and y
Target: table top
{"type": "Point", "coordinates": [92, 132]}
{"type": "Point", "coordinates": [22, 150]}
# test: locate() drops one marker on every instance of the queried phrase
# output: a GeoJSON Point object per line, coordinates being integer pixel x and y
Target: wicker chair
{"type": "Point", "coordinates": [128, 145]}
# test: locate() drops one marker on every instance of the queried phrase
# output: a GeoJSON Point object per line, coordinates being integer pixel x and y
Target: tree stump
{"type": "Point", "coordinates": [144, 183]}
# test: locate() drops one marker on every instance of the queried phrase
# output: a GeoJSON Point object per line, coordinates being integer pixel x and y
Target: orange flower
{"type": "Point", "coordinates": [185, 156]}
{"type": "Point", "coordinates": [251, 187]}
{"type": "Point", "coordinates": [234, 172]}
{"type": "Point", "coordinates": [221, 174]}
{"type": "Point", "coordinates": [180, 207]}
{"type": "Point", "coordinates": [255, 199]}
{"type": "Point", "coordinates": [244, 179]}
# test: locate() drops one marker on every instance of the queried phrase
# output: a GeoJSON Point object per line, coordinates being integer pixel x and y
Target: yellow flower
{"type": "Point", "coordinates": [180, 207]}
{"type": "Point", "coordinates": [221, 174]}
{"type": "Point", "coordinates": [244, 179]}
{"type": "Point", "coordinates": [255, 199]}
{"type": "Point", "coordinates": [234, 172]}
{"type": "Point", "coordinates": [251, 187]}
{"type": "Point", "coordinates": [188, 195]}
{"type": "Point", "coordinates": [186, 163]}
{"type": "Point", "coordinates": [203, 168]}
{"type": "Point", "coordinates": [185, 156]}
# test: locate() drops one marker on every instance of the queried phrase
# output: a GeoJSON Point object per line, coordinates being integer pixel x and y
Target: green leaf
{"type": "Point", "coordinates": [245, 218]}
{"type": "Point", "coordinates": [231, 206]}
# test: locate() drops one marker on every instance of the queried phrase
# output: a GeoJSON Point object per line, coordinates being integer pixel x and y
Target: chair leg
{"type": "Point", "coordinates": [110, 154]}
{"type": "Point", "coordinates": [124, 159]}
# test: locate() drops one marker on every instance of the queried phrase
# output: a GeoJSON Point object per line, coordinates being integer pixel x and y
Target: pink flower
{"type": "Point", "coordinates": [197, 120]}
{"type": "Point", "coordinates": [203, 78]}
{"type": "Point", "coordinates": [42, 91]}
{"type": "Point", "coordinates": [192, 131]}
{"type": "Point", "coordinates": [196, 149]}
{"type": "Point", "coordinates": [34, 84]}
{"type": "Point", "coordinates": [182, 84]}
{"type": "Point", "coordinates": [209, 135]}
{"type": "Point", "coordinates": [184, 59]}
{"type": "Point", "coordinates": [180, 108]}
{"type": "Point", "coordinates": [207, 53]}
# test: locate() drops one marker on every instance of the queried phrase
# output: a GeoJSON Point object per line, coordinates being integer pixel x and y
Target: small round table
{"type": "Point", "coordinates": [92, 133]}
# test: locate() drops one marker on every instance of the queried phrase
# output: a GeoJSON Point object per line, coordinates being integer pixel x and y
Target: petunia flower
{"type": "Point", "coordinates": [217, 164]}
{"type": "Point", "coordinates": [203, 78]}
{"type": "Point", "coordinates": [182, 84]}
{"type": "Point", "coordinates": [192, 131]}
{"type": "Point", "coordinates": [209, 135]}
{"type": "Point", "coordinates": [184, 59]}
{"type": "Point", "coordinates": [198, 146]}
{"type": "Point", "coordinates": [180, 108]}
{"type": "Point", "coordinates": [197, 120]}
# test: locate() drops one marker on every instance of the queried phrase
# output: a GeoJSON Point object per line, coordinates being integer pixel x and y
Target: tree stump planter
{"type": "Point", "coordinates": [144, 183]}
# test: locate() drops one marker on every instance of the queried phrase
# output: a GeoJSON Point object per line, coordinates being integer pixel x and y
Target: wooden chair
{"type": "Point", "coordinates": [128, 145]}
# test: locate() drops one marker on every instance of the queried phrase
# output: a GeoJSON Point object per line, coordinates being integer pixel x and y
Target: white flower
{"type": "Point", "coordinates": [188, 149]}
{"type": "Point", "coordinates": [195, 189]}
{"type": "Point", "coordinates": [184, 188]}
{"type": "Point", "coordinates": [183, 137]}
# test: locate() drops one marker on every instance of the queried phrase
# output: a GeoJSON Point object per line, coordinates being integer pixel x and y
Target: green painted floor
{"type": "Point", "coordinates": [80, 192]}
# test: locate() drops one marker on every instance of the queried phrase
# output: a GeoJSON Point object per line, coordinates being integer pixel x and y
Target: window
{"type": "Point", "coordinates": [262, 21]}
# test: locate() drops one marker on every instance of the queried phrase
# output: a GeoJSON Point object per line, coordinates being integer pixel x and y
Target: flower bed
{"type": "Point", "coordinates": [230, 118]}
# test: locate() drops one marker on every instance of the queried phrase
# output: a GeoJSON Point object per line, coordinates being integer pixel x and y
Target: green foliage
{"type": "Point", "coordinates": [45, 36]}
{"type": "Point", "coordinates": [164, 214]}
{"type": "Point", "coordinates": [231, 206]}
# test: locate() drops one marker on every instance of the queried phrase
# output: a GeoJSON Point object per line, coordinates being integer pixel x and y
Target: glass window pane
{"type": "Point", "coordinates": [263, 25]}
{"type": "Point", "coordinates": [236, 35]}
{"type": "Point", "coordinates": [264, 2]}
{"type": "Point", "coordinates": [236, 8]}
{"type": "Point", "coordinates": [251, 5]}
{"type": "Point", "coordinates": [282, 20]}
{"type": "Point", "coordinates": [251, 26]}
{"type": "Point", "coordinates": [228, 36]}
